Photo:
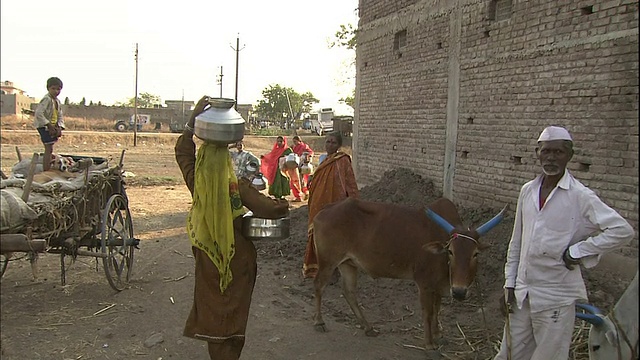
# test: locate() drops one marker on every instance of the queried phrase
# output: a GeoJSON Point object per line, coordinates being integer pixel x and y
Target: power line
{"type": "Point", "coordinates": [135, 104]}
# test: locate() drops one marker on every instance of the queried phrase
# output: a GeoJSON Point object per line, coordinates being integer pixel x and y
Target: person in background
{"type": "Point", "coordinates": [48, 119]}
{"type": "Point", "coordinates": [559, 225]}
{"type": "Point", "coordinates": [241, 158]}
{"type": "Point", "coordinates": [295, 185]}
{"type": "Point", "coordinates": [272, 168]}
{"type": "Point", "coordinates": [225, 262]}
{"type": "Point", "coordinates": [305, 152]}
{"type": "Point", "coordinates": [333, 181]}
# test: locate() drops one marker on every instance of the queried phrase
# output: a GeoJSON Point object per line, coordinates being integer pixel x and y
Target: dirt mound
{"type": "Point", "coordinates": [401, 186]}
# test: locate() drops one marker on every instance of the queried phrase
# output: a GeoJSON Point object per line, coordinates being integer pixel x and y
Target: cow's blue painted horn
{"type": "Point", "coordinates": [594, 315]}
{"type": "Point", "coordinates": [486, 227]}
{"type": "Point", "coordinates": [440, 221]}
{"type": "Point", "coordinates": [590, 318]}
{"type": "Point", "coordinates": [589, 308]}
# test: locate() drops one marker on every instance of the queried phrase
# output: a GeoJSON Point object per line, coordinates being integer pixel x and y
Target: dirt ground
{"type": "Point", "coordinates": [86, 319]}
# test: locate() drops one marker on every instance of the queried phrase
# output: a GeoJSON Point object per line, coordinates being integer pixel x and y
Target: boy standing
{"type": "Point", "coordinates": [48, 119]}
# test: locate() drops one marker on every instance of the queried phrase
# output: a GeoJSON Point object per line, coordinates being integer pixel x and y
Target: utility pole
{"type": "Point", "coordinates": [220, 80]}
{"type": "Point", "coordinates": [237, 50]}
{"type": "Point", "coordinates": [290, 110]}
{"type": "Point", "coordinates": [135, 104]}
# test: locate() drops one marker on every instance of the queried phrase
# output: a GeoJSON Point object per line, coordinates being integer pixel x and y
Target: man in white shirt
{"type": "Point", "coordinates": [559, 224]}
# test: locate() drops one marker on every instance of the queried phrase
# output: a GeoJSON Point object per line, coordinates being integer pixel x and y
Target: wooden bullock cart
{"type": "Point", "coordinates": [93, 220]}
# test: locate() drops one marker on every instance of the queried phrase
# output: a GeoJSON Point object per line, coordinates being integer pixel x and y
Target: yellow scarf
{"type": "Point", "coordinates": [216, 202]}
{"type": "Point", "coordinates": [54, 116]}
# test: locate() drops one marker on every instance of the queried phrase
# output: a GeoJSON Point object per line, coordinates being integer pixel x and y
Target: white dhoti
{"type": "Point", "coordinates": [544, 335]}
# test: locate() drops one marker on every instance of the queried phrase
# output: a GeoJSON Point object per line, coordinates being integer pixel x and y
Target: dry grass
{"type": "Point", "coordinates": [25, 122]}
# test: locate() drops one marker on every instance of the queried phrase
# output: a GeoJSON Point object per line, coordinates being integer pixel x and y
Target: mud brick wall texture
{"type": "Point", "coordinates": [458, 91]}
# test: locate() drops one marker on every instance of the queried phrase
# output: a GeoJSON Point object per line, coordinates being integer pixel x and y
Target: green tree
{"type": "Point", "coordinates": [351, 99]}
{"type": "Point", "coordinates": [345, 37]}
{"type": "Point", "coordinates": [66, 100]}
{"type": "Point", "coordinates": [282, 103]}
{"type": "Point", "coordinates": [83, 102]}
{"type": "Point", "coordinates": [145, 100]}
{"type": "Point", "coordinates": [90, 102]}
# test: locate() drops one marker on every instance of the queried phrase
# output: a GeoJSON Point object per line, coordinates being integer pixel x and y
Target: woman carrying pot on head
{"type": "Point", "coordinates": [292, 169]}
{"type": "Point", "coordinates": [273, 168]}
{"type": "Point", "coordinates": [225, 262]}
{"type": "Point", "coordinates": [333, 181]}
{"type": "Point", "coordinates": [305, 152]}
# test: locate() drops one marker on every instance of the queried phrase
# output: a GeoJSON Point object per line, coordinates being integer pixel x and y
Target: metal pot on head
{"type": "Point", "coordinates": [220, 123]}
{"type": "Point", "coordinates": [292, 161]}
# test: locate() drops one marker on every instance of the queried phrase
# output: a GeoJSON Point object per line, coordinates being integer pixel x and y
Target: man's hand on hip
{"type": "Point", "coordinates": [569, 262]}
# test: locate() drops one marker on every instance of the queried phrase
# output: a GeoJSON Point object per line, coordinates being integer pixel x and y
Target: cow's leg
{"type": "Point", "coordinates": [349, 273]}
{"type": "Point", "coordinates": [427, 301]}
{"type": "Point", "coordinates": [435, 316]}
{"type": "Point", "coordinates": [319, 283]}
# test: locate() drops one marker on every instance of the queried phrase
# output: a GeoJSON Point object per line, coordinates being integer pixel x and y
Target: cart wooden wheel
{"type": "Point", "coordinates": [117, 242]}
{"type": "Point", "coordinates": [4, 261]}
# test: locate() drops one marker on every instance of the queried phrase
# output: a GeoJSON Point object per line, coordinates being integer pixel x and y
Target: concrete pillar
{"type": "Point", "coordinates": [356, 119]}
{"type": "Point", "coordinates": [453, 98]}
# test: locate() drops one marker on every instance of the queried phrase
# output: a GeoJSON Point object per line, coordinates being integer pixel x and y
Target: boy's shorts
{"type": "Point", "coordinates": [46, 137]}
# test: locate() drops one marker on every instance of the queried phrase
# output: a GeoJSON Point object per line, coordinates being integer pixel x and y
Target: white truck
{"type": "Point", "coordinates": [123, 125]}
{"type": "Point", "coordinates": [322, 117]}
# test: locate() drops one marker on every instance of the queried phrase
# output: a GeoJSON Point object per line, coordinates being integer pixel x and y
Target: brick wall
{"type": "Point", "coordinates": [570, 63]}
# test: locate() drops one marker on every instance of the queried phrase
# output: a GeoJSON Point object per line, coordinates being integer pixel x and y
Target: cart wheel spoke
{"type": "Point", "coordinates": [118, 269]}
{"type": "Point", "coordinates": [117, 232]}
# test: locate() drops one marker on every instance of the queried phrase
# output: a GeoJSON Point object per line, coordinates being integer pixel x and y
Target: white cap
{"type": "Point", "coordinates": [554, 133]}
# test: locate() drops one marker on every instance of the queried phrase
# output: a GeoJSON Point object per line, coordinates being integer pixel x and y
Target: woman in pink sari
{"type": "Point", "coordinates": [301, 148]}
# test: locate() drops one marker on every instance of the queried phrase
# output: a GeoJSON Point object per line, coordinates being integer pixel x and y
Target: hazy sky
{"type": "Point", "coordinates": [182, 44]}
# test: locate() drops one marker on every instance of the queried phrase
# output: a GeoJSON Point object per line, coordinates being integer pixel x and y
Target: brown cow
{"type": "Point", "coordinates": [399, 242]}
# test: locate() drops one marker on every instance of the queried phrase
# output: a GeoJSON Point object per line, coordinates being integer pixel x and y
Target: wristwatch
{"type": "Point", "coordinates": [188, 128]}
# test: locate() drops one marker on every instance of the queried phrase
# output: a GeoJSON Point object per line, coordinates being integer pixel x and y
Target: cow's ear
{"type": "Point", "coordinates": [483, 246]}
{"type": "Point", "coordinates": [612, 337]}
{"type": "Point", "coordinates": [434, 247]}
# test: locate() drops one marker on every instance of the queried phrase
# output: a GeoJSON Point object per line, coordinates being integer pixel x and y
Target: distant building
{"type": "Point", "coordinates": [13, 100]}
{"type": "Point", "coordinates": [246, 111]}
{"type": "Point", "coordinates": [180, 104]}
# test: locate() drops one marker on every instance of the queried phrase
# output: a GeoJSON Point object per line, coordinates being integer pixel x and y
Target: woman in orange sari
{"type": "Point", "coordinates": [333, 181]}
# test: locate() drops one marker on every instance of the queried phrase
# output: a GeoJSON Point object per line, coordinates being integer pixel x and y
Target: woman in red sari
{"type": "Point", "coordinates": [270, 168]}
{"type": "Point", "coordinates": [333, 181]}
